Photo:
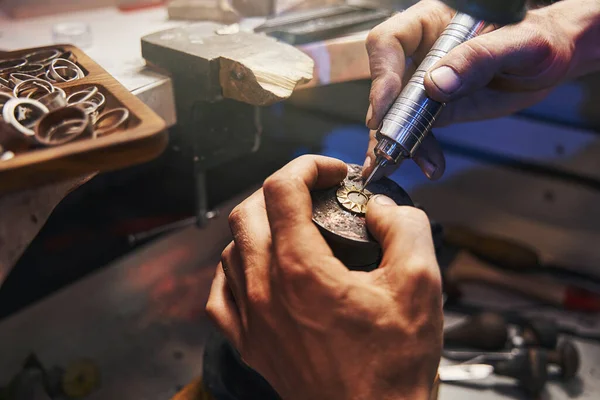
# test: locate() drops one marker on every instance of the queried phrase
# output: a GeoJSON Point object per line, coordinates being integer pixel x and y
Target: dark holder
{"type": "Point", "coordinates": [225, 376]}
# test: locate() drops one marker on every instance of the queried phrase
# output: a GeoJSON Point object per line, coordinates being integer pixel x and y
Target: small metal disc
{"type": "Point", "coordinates": [339, 212]}
{"type": "Point", "coordinates": [353, 198]}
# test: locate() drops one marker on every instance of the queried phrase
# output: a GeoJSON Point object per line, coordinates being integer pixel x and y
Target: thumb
{"type": "Point", "coordinates": [512, 58]}
{"type": "Point", "coordinates": [404, 234]}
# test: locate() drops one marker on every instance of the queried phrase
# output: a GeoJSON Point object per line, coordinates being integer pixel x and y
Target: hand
{"type": "Point", "coordinates": [495, 74]}
{"type": "Point", "coordinates": [313, 328]}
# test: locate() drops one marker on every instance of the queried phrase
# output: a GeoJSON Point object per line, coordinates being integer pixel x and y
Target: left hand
{"type": "Point", "coordinates": [311, 327]}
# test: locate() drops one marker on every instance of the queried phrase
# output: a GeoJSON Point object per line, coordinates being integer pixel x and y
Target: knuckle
{"type": "Point", "coordinates": [235, 216]}
{"type": "Point", "coordinates": [226, 254]}
{"type": "Point", "coordinates": [373, 38]}
{"type": "Point", "coordinates": [475, 52]}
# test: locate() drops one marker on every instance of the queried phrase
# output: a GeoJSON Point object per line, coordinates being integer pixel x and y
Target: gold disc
{"type": "Point", "coordinates": [353, 198]}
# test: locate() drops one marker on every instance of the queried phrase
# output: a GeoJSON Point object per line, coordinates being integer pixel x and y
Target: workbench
{"type": "Point", "coordinates": [141, 320]}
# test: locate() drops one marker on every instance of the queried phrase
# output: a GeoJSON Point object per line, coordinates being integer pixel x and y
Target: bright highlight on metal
{"type": "Point", "coordinates": [353, 198]}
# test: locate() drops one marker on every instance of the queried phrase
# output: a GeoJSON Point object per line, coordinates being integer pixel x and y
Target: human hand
{"type": "Point", "coordinates": [313, 328]}
{"type": "Point", "coordinates": [495, 74]}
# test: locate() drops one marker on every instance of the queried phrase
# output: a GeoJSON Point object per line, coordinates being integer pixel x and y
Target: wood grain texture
{"type": "Point", "coordinates": [143, 139]}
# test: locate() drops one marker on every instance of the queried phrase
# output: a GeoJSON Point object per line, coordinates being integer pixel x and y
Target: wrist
{"type": "Point", "coordinates": [580, 22]}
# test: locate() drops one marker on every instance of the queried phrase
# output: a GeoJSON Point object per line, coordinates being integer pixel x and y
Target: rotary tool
{"type": "Point", "coordinates": [412, 115]}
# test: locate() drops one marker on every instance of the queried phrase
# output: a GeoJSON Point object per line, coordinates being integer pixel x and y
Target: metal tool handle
{"type": "Point", "coordinates": [410, 118]}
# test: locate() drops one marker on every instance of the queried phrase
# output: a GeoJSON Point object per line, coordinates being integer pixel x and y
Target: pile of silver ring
{"type": "Point", "coordinates": [26, 99]}
{"type": "Point", "coordinates": [50, 65]}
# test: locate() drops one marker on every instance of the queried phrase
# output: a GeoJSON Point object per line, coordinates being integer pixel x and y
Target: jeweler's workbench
{"type": "Point", "coordinates": [141, 320]}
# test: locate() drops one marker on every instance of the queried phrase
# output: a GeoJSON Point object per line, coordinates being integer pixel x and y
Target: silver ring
{"type": "Point", "coordinates": [61, 62]}
{"type": "Point", "coordinates": [88, 106]}
{"type": "Point", "coordinates": [71, 133]}
{"type": "Point", "coordinates": [5, 85]}
{"type": "Point", "coordinates": [11, 106]}
{"type": "Point", "coordinates": [4, 98]}
{"type": "Point", "coordinates": [53, 100]}
{"type": "Point", "coordinates": [61, 126]}
{"type": "Point", "coordinates": [43, 57]}
{"type": "Point", "coordinates": [98, 131]}
{"type": "Point", "coordinates": [8, 66]}
{"type": "Point", "coordinates": [17, 77]}
{"type": "Point", "coordinates": [61, 91]}
{"type": "Point", "coordinates": [47, 77]}
{"type": "Point", "coordinates": [36, 82]}
{"type": "Point", "coordinates": [31, 69]}
{"type": "Point", "coordinates": [87, 94]}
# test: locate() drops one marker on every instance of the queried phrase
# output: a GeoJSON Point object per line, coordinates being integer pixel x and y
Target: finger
{"type": "Point", "coordinates": [487, 104]}
{"type": "Point", "coordinates": [252, 236]}
{"type": "Point", "coordinates": [390, 44]}
{"type": "Point", "coordinates": [430, 158]}
{"type": "Point", "coordinates": [289, 206]}
{"type": "Point", "coordinates": [523, 57]}
{"type": "Point", "coordinates": [233, 270]}
{"type": "Point", "coordinates": [221, 308]}
{"type": "Point", "coordinates": [370, 160]}
{"type": "Point", "coordinates": [404, 234]}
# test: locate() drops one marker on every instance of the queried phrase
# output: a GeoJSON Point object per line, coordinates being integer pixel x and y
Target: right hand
{"type": "Point", "coordinates": [495, 74]}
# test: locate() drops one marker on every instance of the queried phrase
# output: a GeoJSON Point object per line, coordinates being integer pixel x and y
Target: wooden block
{"type": "Point", "coordinates": [252, 68]}
{"type": "Point", "coordinates": [338, 60]}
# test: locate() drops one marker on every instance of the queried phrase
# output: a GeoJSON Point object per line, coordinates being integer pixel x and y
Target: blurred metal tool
{"type": "Point", "coordinates": [323, 23]}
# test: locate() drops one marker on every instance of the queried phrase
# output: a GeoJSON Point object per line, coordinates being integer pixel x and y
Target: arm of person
{"type": "Point", "coordinates": [310, 326]}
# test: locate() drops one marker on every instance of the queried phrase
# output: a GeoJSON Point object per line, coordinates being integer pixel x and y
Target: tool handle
{"type": "Point", "coordinates": [413, 113]}
{"type": "Point", "coordinates": [467, 268]}
{"type": "Point", "coordinates": [497, 250]}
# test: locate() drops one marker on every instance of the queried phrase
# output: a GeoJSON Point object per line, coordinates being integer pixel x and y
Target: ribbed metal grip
{"type": "Point", "coordinates": [410, 119]}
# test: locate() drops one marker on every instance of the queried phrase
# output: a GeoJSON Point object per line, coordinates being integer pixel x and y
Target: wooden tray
{"type": "Point", "coordinates": [144, 138]}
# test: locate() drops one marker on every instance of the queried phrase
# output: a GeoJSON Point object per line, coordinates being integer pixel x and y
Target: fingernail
{"type": "Point", "coordinates": [369, 115]}
{"type": "Point", "coordinates": [367, 163]}
{"type": "Point", "coordinates": [384, 200]}
{"type": "Point", "coordinates": [430, 170]}
{"type": "Point", "coordinates": [446, 79]}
